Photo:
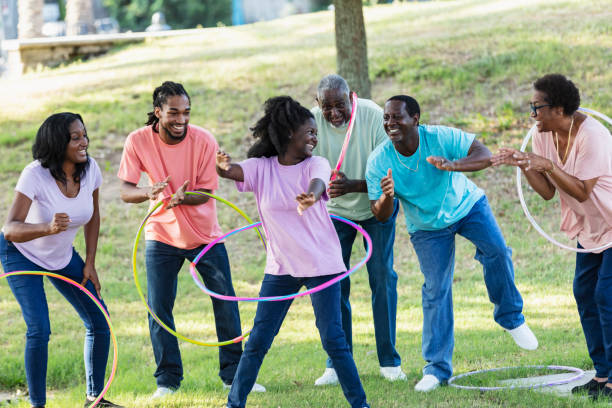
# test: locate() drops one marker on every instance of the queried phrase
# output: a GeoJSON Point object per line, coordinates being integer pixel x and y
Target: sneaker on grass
{"type": "Point", "coordinates": [329, 377]}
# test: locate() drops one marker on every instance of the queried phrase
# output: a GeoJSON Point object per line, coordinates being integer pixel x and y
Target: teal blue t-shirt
{"type": "Point", "coordinates": [432, 199]}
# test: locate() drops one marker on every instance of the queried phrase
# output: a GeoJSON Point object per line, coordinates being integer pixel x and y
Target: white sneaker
{"type": "Point", "coordinates": [329, 377]}
{"type": "Point", "coordinates": [393, 373]}
{"type": "Point", "coordinates": [162, 392]}
{"type": "Point", "coordinates": [524, 337]}
{"type": "Point", "coordinates": [256, 387]}
{"type": "Point", "coordinates": [428, 383]}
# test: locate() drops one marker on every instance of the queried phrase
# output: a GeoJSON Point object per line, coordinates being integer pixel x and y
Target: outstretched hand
{"type": "Point", "coordinates": [305, 201]}
{"type": "Point", "coordinates": [178, 197]}
{"type": "Point", "coordinates": [157, 188]}
{"type": "Point", "coordinates": [223, 160]}
{"type": "Point", "coordinates": [442, 163]}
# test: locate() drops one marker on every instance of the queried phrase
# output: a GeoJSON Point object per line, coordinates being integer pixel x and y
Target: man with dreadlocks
{"type": "Point", "coordinates": [177, 157]}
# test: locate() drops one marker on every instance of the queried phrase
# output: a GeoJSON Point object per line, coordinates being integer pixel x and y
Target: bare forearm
{"type": "Point", "coordinates": [316, 187]}
{"type": "Point", "coordinates": [540, 184]}
{"type": "Point", "coordinates": [382, 208]}
{"type": "Point", "coordinates": [478, 158]}
{"type": "Point", "coordinates": [91, 232]}
{"type": "Point", "coordinates": [358, 186]}
{"type": "Point", "coordinates": [133, 194]}
{"type": "Point", "coordinates": [16, 231]}
{"type": "Point", "coordinates": [570, 184]}
{"type": "Point", "coordinates": [233, 173]}
{"type": "Point", "coordinates": [196, 199]}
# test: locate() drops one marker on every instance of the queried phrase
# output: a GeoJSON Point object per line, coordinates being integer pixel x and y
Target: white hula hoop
{"type": "Point", "coordinates": [528, 214]}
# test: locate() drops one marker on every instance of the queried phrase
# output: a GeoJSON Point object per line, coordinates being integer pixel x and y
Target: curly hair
{"type": "Point", "coordinates": [559, 91]}
{"type": "Point", "coordinates": [282, 116]}
{"type": "Point", "coordinates": [160, 96]}
{"type": "Point", "coordinates": [51, 142]}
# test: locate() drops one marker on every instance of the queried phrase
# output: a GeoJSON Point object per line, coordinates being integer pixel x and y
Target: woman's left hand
{"type": "Point", "coordinates": [305, 201]}
{"type": "Point", "coordinates": [90, 274]}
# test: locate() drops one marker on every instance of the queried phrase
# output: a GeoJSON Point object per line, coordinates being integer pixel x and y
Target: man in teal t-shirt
{"type": "Point", "coordinates": [349, 199]}
{"type": "Point", "coordinates": [421, 166]}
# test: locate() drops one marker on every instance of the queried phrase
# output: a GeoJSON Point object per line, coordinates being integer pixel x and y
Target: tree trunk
{"type": "Point", "coordinates": [79, 17]}
{"type": "Point", "coordinates": [30, 18]}
{"type": "Point", "coordinates": [351, 47]}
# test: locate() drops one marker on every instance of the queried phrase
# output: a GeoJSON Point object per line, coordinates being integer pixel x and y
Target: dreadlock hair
{"type": "Point", "coordinates": [282, 116]}
{"type": "Point", "coordinates": [559, 91]}
{"type": "Point", "coordinates": [411, 105]}
{"type": "Point", "coordinates": [51, 142]}
{"type": "Point", "coordinates": [160, 96]}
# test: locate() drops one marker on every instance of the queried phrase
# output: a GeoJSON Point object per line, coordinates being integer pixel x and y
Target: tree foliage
{"type": "Point", "coordinates": [135, 15]}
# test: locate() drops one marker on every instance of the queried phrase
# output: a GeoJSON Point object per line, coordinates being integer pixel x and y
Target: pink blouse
{"type": "Point", "coordinates": [590, 157]}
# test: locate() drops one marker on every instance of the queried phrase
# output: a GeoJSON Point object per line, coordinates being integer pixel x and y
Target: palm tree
{"type": "Point", "coordinates": [30, 18]}
{"type": "Point", "coordinates": [79, 17]}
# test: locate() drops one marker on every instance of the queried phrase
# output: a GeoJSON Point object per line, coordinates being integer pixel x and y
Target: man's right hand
{"type": "Point", "coordinates": [157, 188]}
{"type": "Point", "coordinates": [59, 223]}
{"type": "Point", "coordinates": [387, 185]}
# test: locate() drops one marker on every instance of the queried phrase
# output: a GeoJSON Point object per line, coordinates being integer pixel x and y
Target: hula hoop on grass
{"type": "Point", "coordinates": [349, 131]}
{"type": "Point", "coordinates": [579, 374]}
{"type": "Point", "coordinates": [524, 205]}
{"type": "Point", "coordinates": [139, 288]}
{"type": "Point", "coordinates": [97, 303]}
{"type": "Point", "coordinates": [322, 286]}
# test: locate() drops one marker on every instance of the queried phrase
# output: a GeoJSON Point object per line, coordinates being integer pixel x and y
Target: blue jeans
{"type": "Point", "coordinates": [268, 320]}
{"type": "Point", "coordinates": [163, 265]}
{"type": "Point", "coordinates": [30, 293]}
{"type": "Point", "coordinates": [593, 293]}
{"type": "Point", "coordinates": [436, 253]}
{"type": "Point", "coordinates": [383, 283]}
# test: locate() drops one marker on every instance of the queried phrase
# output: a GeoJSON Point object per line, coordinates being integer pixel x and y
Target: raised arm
{"type": "Point", "coordinates": [227, 169]}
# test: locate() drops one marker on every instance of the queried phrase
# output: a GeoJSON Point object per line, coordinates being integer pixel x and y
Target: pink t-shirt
{"type": "Point", "coordinates": [300, 246]}
{"type": "Point", "coordinates": [53, 252]}
{"type": "Point", "coordinates": [589, 158]}
{"type": "Point", "coordinates": [193, 159]}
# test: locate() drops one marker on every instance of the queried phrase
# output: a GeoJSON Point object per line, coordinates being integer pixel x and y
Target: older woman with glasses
{"type": "Point", "coordinates": [572, 154]}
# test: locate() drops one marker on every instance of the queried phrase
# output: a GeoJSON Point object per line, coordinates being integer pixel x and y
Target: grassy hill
{"type": "Point", "coordinates": [469, 63]}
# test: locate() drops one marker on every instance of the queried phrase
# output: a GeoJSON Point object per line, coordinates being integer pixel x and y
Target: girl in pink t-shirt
{"type": "Point", "coordinates": [56, 195]}
{"type": "Point", "coordinates": [303, 247]}
{"type": "Point", "coordinates": [572, 154]}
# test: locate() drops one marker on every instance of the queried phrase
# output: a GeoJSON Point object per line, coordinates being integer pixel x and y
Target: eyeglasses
{"type": "Point", "coordinates": [534, 108]}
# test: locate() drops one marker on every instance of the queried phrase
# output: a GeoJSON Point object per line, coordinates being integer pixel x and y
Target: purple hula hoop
{"type": "Point", "coordinates": [579, 374]}
{"type": "Point", "coordinates": [322, 286]}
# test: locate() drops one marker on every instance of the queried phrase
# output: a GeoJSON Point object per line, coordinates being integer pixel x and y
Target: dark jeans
{"type": "Point", "coordinates": [30, 293]}
{"type": "Point", "coordinates": [163, 265]}
{"type": "Point", "coordinates": [383, 283]}
{"type": "Point", "coordinates": [436, 253]}
{"type": "Point", "coordinates": [593, 293]}
{"type": "Point", "coordinates": [268, 320]}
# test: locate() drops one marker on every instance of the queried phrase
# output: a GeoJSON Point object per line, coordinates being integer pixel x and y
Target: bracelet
{"type": "Point", "coordinates": [552, 165]}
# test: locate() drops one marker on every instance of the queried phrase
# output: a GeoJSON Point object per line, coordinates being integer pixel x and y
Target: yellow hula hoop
{"type": "Point", "coordinates": [139, 288]}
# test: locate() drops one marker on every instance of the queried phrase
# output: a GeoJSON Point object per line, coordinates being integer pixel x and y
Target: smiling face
{"type": "Point", "coordinates": [396, 121]}
{"type": "Point", "coordinates": [173, 118]}
{"type": "Point", "coordinates": [336, 106]}
{"type": "Point", "coordinates": [546, 116]}
{"type": "Point", "coordinates": [303, 140]}
{"type": "Point", "coordinates": [76, 150]}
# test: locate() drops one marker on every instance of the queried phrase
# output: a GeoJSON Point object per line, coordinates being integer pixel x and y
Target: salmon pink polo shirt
{"type": "Point", "coordinates": [193, 159]}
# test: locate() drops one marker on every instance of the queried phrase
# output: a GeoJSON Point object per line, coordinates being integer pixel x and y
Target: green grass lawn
{"type": "Point", "coordinates": [470, 64]}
